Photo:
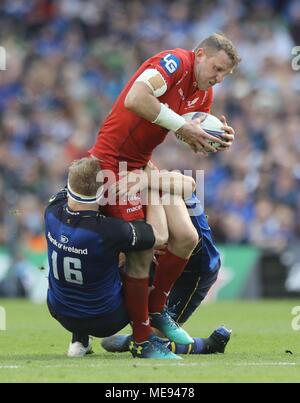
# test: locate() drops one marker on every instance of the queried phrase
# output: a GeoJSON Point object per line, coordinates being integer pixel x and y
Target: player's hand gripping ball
{"type": "Point", "coordinates": [211, 124]}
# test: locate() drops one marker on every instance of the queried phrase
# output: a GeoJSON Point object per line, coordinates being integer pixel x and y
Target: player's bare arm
{"type": "Point", "coordinates": [171, 182]}
{"type": "Point", "coordinates": [165, 181]}
{"type": "Point", "coordinates": [141, 100]}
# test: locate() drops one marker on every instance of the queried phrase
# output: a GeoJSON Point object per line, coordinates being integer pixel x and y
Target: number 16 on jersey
{"type": "Point", "coordinates": [71, 267]}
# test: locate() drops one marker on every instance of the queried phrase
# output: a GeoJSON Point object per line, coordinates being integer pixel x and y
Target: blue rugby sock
{"type": "Point", "coordinates": [84, 339]}
{"type": "Point", "coordinates": [198, 347]}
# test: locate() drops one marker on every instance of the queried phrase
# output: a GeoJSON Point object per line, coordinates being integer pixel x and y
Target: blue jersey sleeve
{"type": "Point", "coordinates": [62, 195]}
{"type": "Point", "coordinates": [56, 201]}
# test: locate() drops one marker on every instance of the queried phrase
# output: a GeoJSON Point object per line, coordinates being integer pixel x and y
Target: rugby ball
{"type": "Point", "coordinates": [210, 124]}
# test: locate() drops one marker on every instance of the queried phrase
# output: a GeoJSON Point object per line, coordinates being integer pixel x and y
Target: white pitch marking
{"type": "Point", "coordinates": [264, 364]}
{"type": "Point", "coordinates": [203, 364]}
{"type": "Point", "coordinates": [9, 366]}
{"type": "Point", "coordinates": [179, 364]}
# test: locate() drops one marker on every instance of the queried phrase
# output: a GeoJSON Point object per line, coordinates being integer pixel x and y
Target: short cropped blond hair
{"type": "Point", "coordinates": [82, 176]}
{"type": "Point", "coordinates": [217, 42]}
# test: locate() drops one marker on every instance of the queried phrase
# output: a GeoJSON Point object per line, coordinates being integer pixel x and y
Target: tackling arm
{"type": "Point", "coordinates": [164, 181]}
{"type": "Point", "coordinates": [171, 182]}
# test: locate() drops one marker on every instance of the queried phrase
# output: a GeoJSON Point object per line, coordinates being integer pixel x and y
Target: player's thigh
{"type": "Point", "coordinates": [181, 228]}
{"type": "Point", "coordinates": [100, 326]}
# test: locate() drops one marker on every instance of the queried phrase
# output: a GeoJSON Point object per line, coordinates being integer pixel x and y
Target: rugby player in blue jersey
{"type": "Point", "coordinates": [85, 289]}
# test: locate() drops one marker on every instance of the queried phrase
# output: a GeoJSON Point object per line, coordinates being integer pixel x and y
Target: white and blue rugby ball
{"type": "Point", "coordinates": [210, 124]}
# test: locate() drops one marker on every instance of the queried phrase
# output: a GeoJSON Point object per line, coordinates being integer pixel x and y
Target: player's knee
{"type": "Point", "coordinates": [188, 238]}
{"type": "Point", "coordinates": [161, 238]}
{"type": "Point", "coordinates": [192, 239]}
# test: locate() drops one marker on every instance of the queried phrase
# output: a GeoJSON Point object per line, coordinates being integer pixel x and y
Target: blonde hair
{"type": "Point", "coordinates": [83, 176]}
{"type": "Point", "coordinates": [217, 42]}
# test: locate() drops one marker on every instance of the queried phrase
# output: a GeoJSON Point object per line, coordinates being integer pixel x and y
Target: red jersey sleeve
{"type": "Point", "coordinates": [170, 64]}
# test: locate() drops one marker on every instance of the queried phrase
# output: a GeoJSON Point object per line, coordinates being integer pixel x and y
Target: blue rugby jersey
{"type": "Point", "coordinates": [83, 253]}
{"type": "Point", "coordinates": [206, 256]}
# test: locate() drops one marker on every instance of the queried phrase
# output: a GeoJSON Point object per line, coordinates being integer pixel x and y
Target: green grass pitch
{"type": "Point", "coordinates": [33, 348]}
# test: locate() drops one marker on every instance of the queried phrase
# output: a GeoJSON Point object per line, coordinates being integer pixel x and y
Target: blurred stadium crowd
{"type": "Point", "coordinates": [67, 60]}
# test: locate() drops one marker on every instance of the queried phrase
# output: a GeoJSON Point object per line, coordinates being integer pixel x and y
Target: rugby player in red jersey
{"type": "Point", "coordinates": [165, 87]}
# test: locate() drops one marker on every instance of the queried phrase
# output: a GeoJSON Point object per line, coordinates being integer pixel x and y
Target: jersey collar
{"type": "Point", "coordinates": [83, 213]}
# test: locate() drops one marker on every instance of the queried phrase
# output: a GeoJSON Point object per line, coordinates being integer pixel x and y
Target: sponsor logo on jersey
{"type": "Point", "coordinates": [191, 103]}
{"type": "Point", "coordinates": [60, 245]}
{"type": "Point", "coordinates": [170, 63]}
{"type": "Point", "coordinates": [133, 209]}
{"type": "Point", "coordinates": [64, 239]}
